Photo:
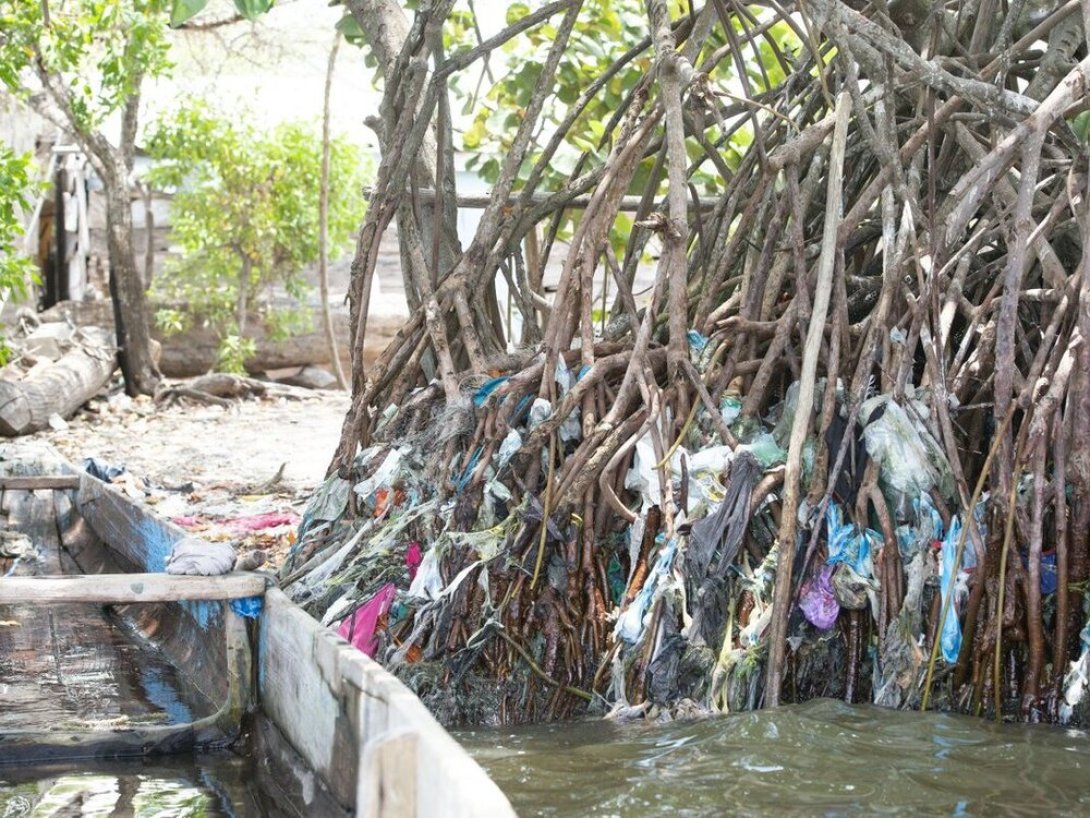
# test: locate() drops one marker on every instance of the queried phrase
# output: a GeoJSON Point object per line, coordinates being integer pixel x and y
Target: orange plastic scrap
{"type": "Point", "coordinates": [382, 501]}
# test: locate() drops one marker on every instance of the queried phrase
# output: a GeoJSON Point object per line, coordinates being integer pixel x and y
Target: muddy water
{"type": "Point", "coordinates": [822, 758]}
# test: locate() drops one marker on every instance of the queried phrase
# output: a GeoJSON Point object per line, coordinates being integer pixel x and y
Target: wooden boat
{"type": "Point", "coordinates": [102, 655]}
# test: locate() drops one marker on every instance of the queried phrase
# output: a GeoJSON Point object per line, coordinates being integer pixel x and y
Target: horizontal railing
{"type": "Point", "coordinates": [120, 589]}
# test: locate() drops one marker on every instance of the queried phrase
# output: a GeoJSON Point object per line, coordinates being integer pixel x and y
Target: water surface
{"type": "Point", "coordinates": [821, 758]}
{"type": "Point", "coordinates": [207, 785]}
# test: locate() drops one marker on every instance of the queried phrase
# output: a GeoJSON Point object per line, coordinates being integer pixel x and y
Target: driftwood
{"type": "Point", "coordinates": [217, 389]}
{"type": "Point", "coordinates": [27, 405]}
{"type": "Point", "coordinates": [221, 388]}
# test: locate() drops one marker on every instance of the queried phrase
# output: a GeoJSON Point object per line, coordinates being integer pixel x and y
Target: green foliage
{"type": "Point", "coordinates": [606, 30]}
{"type": "Point", "coordinates": [96, 52]}
{"type": "Point", "coordinates": [233, 352]}
{"type": "Point", "coordinates": [245, 216]}
{"type": "Point", "coordinates": [16, 186]}
{"type": "Point", "coordinates": [1081, 126]}
{"type": "Point", "coordinates": [184, 10]}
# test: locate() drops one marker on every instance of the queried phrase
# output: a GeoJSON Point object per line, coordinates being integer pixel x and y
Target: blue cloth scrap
{"type": "Point", "coordinates": [486, 389]}
{"type": "Point", "coordinates": [520, 408]}
{"type": "Point", "coordinates": [467, 473]}
{"type": "Point", "coordinates": [249, 607]}
{"type": "Point", "coordinates": [696, 340]}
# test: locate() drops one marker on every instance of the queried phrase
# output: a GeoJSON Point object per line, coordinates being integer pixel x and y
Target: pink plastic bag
{"type": "Point", "coordinates": [359, 628]}
{"type": "Point", "coordinates": [413, 558]}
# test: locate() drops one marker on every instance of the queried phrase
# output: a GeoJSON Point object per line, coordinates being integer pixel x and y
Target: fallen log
{"type": "Point", "coordinates": [193, 352]}
{"type": "Point", "coordinates": [61, 388]}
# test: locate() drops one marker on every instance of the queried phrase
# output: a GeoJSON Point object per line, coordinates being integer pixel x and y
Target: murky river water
{"type": "Point", "coordinates": [822, 758]}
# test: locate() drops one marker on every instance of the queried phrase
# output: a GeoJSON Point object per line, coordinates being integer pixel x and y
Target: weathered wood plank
{"type": "Point", "coordinates": [315, 686]}
{"type": "Point", "coordinates": [299, 699]}
{"type": "Point", "coordinates": [389, 758]}
{"type": "Point", "coordinates": [120, 589]}
{"type": "Point", "coordinates": [41, 481]}
{"type": "Point", "coordinates": [135, 534]}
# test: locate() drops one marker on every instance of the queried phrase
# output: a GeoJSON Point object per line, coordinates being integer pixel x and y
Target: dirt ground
{"type": "Point", "coordinates": [213, 469]}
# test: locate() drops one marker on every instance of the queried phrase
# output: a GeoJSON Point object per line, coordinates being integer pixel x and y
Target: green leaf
{"type": "Point", "coordinates": [1081, 126]}
{"type": "Point", "coordinates": [516, 11]}
{"type": "Point", "coordinates": [252, 9]}
{"type": "Point", "coordinates": [184, 10]}
{"type": "Point", "coordinates": [350, 29]}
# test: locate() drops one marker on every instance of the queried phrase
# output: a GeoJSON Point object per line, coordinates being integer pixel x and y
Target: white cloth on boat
{"type": "Point", "coordinates": [194, 556]}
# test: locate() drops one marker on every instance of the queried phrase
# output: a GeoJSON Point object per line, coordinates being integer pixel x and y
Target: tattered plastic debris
{"type": "Point", "coordinates": [428, 582]}
{"type": "Point", "coordinates": [950, 631]}
{"type": "Point", "coordinates": [359, 628]}
{"type": "Point", "coordinates": [631, 624]}
{"type": "Point", "coordinates": [817, 600]}
{"type": "Point", "coordinates": [910, 460]}
{"type": "Point", "coordinates": [1076, 680]}
{"type": "Point", "coordinates": [328, 503]}
{"type": "Point", "coordinates": [384, 475]}
{"type": "Point", "coordinates": [100, 470]}
{"type": "Point", "coordinates": [249, 607]}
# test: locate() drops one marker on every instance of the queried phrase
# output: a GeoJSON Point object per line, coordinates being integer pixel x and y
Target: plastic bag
{"type": "Point", "coordinates": [910, 459]}
{"type": "Point", "coordinates": [767, 451]}
{"type": "Point", "coordinates": [848, 545]}
{"type": "Point", "coordinates": [631, 624]}
{"type": "Point", "coordinates": [817, 600]}
{"type": "Point", "coordinates": [644, 478]}
{"type": "Point", "coordinates": [730, 408]}
{"type": "Point", "coordinates": [540, 410]}
{"type": "Point", "coordinates": [713, 459]}
{"type": "Point", "coordinates": [249, 607]}
{"type": "Point", "coordinates": [1077, 679]}
{"type": "Point", "coordinates": [360, 627]}
{"type": "Point", "coordinates": [950, 632]}
{"type": "Point", "coordinates": [384, 475]}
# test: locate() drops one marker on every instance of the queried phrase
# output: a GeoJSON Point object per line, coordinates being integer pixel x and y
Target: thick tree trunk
{"type": "Point", "coordinates": [131, 314]}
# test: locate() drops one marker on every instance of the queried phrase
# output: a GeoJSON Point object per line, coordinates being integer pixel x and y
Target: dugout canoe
{"type": "Point", "coordinates": [104, 656]}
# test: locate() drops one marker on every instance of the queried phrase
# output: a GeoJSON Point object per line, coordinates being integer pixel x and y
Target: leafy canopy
{"type": "Point", "coordinates": [245, 216]}
{"type": "Point", "coordinates": [184, 10]}
{"type": "Point", "coordinates": [602, 37]}
{"type": "Point", "coordinates": [16, 186]}
{"type": "Point", "coordinates": [93, 53]}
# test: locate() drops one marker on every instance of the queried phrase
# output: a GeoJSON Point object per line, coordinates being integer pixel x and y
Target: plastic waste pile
{"type": "Point", "coordinates": [433, 558]}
